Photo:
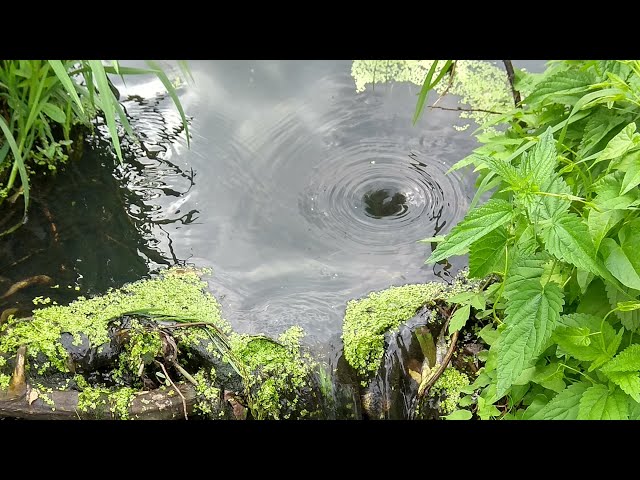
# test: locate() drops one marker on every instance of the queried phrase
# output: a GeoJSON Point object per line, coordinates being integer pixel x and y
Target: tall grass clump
{"type": "Point", "coordinates": [41, 101]}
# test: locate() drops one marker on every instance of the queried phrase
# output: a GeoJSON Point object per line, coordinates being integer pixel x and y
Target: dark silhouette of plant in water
{"type": "Point", "coordinates": [558, 238]}
{"type": "Point", "coordinates": [380, 203]}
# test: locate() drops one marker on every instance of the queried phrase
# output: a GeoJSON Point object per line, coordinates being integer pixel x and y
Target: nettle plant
{"type": "Point", "coordinates": [560, 238]}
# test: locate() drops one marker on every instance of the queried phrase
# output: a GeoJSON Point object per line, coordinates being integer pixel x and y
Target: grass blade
{"type": "Point", "coordinates": [172, 93]}
{"type": "Point", "coordinates": [66, 81]}
{"type": "Point", "coordinates": [107, 101]}
{"type": "Point", "coordinates": [424, 91]}
{"type": "Point", "coordinates": [17, 163]}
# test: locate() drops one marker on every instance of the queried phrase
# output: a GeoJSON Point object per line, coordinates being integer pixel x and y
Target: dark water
{"type": "Point", "coordinates": [297, 191]}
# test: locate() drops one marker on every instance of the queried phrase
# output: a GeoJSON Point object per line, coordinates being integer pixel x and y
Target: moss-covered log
{"type": "Point", "coordinates": [159, 404]}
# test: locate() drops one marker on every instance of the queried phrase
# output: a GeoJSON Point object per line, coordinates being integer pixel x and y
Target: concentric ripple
{"type": "Point", "coordinates": [377, 197]}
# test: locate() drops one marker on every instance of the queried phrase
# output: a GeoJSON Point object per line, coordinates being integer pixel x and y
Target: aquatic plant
{"type": "Point", "coordinates": [40, 103]}
{"type": "Point", "coordinates": [559, 236]}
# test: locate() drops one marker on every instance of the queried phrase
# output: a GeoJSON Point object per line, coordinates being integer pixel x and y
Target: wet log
{"type": "Point", "coordinates": [63, 405]}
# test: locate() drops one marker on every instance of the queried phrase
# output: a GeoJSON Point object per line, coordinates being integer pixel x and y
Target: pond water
{"type": "Point", "coordinates": [297, 191]}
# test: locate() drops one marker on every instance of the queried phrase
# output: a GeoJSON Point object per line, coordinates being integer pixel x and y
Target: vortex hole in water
{"type": "Point", "coordinates": [384, 203]}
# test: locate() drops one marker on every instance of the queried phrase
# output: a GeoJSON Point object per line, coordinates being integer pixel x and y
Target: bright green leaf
{"type": "Point", "coordinates": [567, 238]}
{"type": "Point", "coordinates": [531, 314]}
{"type": "Point", "coordinates": [626, 361]}
{"type": "Point", "coordinates": [599, 403]}
{"type": "Point", "coordinates": [476, 224]}
{"type": "Point", "coordinates": [629, 382]}
{"type": "Point", "coordinates": [459, 415]}
{"type": "Point", "coordinates": [487, 254]}
{"type": "Point", "coordinates": [54, 113]}
{"type": "Point", "coordinates": [623, 142]}
{"type": "Point", "coordinates": [565, 405]}
{"type": "Point", "coordinates": [630, 320]}
{"type": "Point", "coordinates": [619, 264]}
{"type": "Point", "coordinates": [459, 318]}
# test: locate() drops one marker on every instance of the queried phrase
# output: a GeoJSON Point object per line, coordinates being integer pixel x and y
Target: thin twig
{"type": "Point", "coordinates": [184, 373]}
{"type": "Point", "coordinates": [460, 109]}
{"type": "Point", "coordinates": [184, 401]}
{"type": "Point", "coordinates": [445, 362]}
{"type": "Point", "coordinates": [446, 90]}
{"type": "Point", "coordinates": [188, 324]}
{"type": "Point", "coordinates": [511, 75]}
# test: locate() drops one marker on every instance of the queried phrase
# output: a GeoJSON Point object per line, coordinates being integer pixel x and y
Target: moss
{"type": "Point", "coordinates": [4, 381]}
{"type": "Point", "coordinates": [93, 399]}
{"type": "Point", "coordinates": [176, 291]}
{"type": "Point", "coordinates": [120, 401]}
{"type": "Point", "coordinates": [279, 372]}
{"type": "Point", "coordinates": [450, 384]}
{"type": "Point", "coordinates": [480, 84]}
{"type": "Point", "coordinates": [367, 320]}
{"type": "Point", "coordinates": [208, 395]}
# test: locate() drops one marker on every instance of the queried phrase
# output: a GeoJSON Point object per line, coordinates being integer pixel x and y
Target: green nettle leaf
{"type": "Point", "coordinates": [527, 243]}
{"type": "Point", "coordinates": [603, 340]}
{"type": "Point", "coordinates": [565, 405]}
{"type": "Point", "coordinates": [600, 403]}
{"type": "Point", "coordinates": [503, 169]}
{"type": "Point", "coordinates": [634, 410]}
{"type": "Point", "coordinates": [622, 143]}
{"type": "Point", "coordinates": [630, 320]}
{"type": "Point", "coordinates": [568, 239]}
{"type": "Point", "coordinates": [564, 87]}
{"type": "Point", "coordinates": [608, 189]}
{"type": "Point", "coordinates": [616, 260]}
{"type": "Point", "coordinates": [600, 223]}
{"type": "Point", "coordinates": [487, 254]}
{"type": "Point", "coordinates": [573, 336]}
{"type": "Point", "coordinates": [545, 207]}
{"type": "Point", "coordinates": [597, 127]}
{"type": "Point", "coordinates": [459, 318]}
{"type": "Point", "coordinates": [476, 224]}
{"type": "Point", "coordinates": [540, 164]}
{"type": "Point", "coordinates": [54, 112]}
{"type": "Point", "coordinates": [459, 415]}
{"type": "Point", "coordinates": [627, 360]}
{"type": "Point", "coordinates": [632, 174]}
{"type": "Point", "coordinates": [629, 382]}
{"type": "Point", "coordinates": [531, 315]}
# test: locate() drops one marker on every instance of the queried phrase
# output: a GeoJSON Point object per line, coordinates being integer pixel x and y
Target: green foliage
{"type": "Point", "coordinates": [559, 236]}
{"type": "Point", "coordinates": [42, 100]}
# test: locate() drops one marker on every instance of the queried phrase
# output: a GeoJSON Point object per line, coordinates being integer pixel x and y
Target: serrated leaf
{"type": "Point", "coordinates": [630, 320]}
{"type": "Point", "coordinates": [476, 224]}
{"type": "Point", "coordinates": [634, 410]}
{"type": "Point", "coordinates": [564, 87]}
{"type": "Point", "coordinates": [600, 223]}
{"type": "Point", "coordinates": [622, 143]}
{"type": "Point", "coordinates": [626, 361]}
{"type": "Point", "coordinates": [616, 260]}
{"type": "Point", "coordinates": [504, 170]}
{"type": "Point", "coordinates": [567, 238]}
{"type": "Point", "coordinates": [459, 415]}
{"type": "Point", "coordinates": [599, 403]}
{"type": "Point", "coordinates": [527, 243]}
{"type": "Point", "coordinates": [604, 340]}
{"type": "Point", "coordinates": [632, 175]}
{"type": "Point", "coordinates": [531, 315]}
{"type": "Point", "coordinates": [487, 254]}
{"type": "Point", "coordinates": [609, 197]}
{"type": "Point", "coordinates": [598, 126]}
{"type": "Point", "coordinates": [544, 207]}
{"type": "Point", "coordinates": [459, 318]}
{"type": "Point", "coordinates": [54, 113]}
{"type": "Point", "coordinates": [565, 405]}
{"type": "Point", "coordinates": [540, 164]}
{"type": "Point", "coordinates": [629, 382]}
{"type": "Point", "coordinates": [576, 336]}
